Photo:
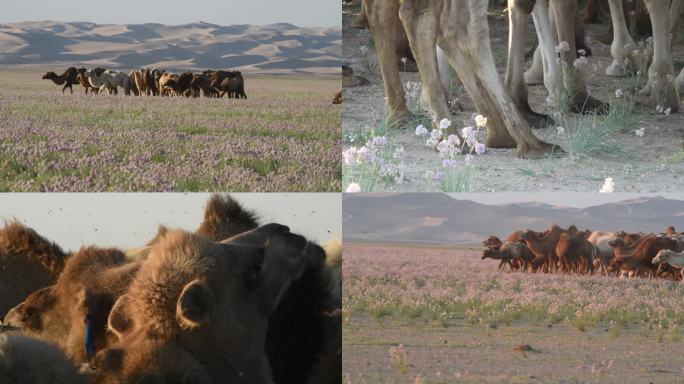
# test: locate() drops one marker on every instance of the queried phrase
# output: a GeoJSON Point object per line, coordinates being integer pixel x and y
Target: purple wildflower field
{"type": "Point", "coordinates": [456, 318]}
{"type": "Point", "coordinates": [285, 137]}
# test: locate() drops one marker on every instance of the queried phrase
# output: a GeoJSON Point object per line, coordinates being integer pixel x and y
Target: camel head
{"type": "Point", "coordinates": [198, 310]}
{"type": "Point", "coordinates": [491, 254]}
{"type": "Point", "coordinates": [49, 76]}
{"type": "Point", "coordinates": [670, 231]}
{"type": "Point", "coordinates": [661, 257]}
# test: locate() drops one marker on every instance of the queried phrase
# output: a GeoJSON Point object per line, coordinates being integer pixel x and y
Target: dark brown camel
{"type": "Point", "coordinates": [68, 78]}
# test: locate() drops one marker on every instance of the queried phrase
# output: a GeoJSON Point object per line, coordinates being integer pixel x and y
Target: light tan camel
{"type": "Point", "coordinates": [464, 38]}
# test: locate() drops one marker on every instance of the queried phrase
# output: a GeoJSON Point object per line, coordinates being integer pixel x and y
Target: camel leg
{"type": "Point", "coordinates": [623, 44]}
{"type": "Point", "coordinates": [546, 50]}
{"type": "Point", "coordinates": [565, 11]}
{"type": "Point", "coordinates": [422, 35]}
{"type": "Point", "coordinates": [361, 21]}
{"type": "Point", "coordinates": [476, 49]}
{"type": "Point", "coordinates": [679, 85]}
{"type": "Point", "coordinates": [659, 91]}
{"type": "Point", "coordinates": [518, 11]}
{"type": "Point", "coordinates": [382, 18]}
{"type": "Point", "coordinates": [676, 16]}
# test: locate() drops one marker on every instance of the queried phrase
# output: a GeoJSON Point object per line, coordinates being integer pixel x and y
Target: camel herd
{"type": "Point", "coordinates": [455, 33]}
{"type": "Point", "coordinates": [153, 82]}
{"type": "Point", "coordinates": [574, 251]}
{"type": "Point", "coordinates": [232, 302]}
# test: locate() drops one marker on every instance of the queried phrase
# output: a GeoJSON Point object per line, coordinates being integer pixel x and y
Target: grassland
{"type": "Point", "coordinates": [459, 320]}
{"type": "Point", "coordinates": [285, 137]}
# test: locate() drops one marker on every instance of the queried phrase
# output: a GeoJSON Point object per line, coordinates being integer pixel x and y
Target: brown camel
{"type": "Point", "coordinates": [543, 247]}
{"type": "Point", "coordinates": [68, 78]}
{"type": "Point", "coordinates": [28, 262]}
{"type": "Point", "coordinates": [338, 98]}
{"type": "Point", "coordinates": [576, 253]}
{"type": "Point", "coordinates": [636, 258]}
{"type": "Point", "coordinates": [198, 311]}
{"type": "Point", "coordinates": [80, 301]}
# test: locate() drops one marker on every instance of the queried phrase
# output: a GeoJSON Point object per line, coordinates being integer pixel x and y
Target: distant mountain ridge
{"type": "Point", "coordinates": [280, 48]}
{"type": "Point", "coordinates": [440, 219]}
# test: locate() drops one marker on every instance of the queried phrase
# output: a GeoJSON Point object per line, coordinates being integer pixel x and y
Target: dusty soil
{"type": "Point", "coordinates": [654, 164]}
{"type": "Point", "coordinates": [461, 353]}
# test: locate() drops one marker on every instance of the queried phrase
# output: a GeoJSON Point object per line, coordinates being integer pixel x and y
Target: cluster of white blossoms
{"type": "Point", "coordinates": [661, 109]}
{"type": "Point", "coordinates": [562, 47]}
{"type": "Point", "coordinates": [619, 94]}
{"type": "Point", "coordinates": [640, 132]}
{"type": "Point", "coordinates": [608, 186]}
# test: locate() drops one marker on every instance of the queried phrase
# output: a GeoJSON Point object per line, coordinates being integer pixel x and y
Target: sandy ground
{"type": "Point", "coordinates": [649, 168]}
{"type": "Point", "coordinates": [461, 353]}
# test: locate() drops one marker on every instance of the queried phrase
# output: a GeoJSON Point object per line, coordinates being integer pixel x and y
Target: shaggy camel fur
{"type": "Point", "coordinates": [576, 253]}
{"type": "Point", "coordinates": [68, 78]}
{"type": "Point", "coordinates": [109, 80]}
{"type": "Point", "coordinates": [28, 262]}
{"type": "Point", "coordinates": [83, 80]}
{"type": "Point", "coordinates": [224, 218]}
{"type": "Point", "coordinates": [80, 301]}
{"type": "Point", "coordinates": [464, 38]}
{"type": "Point", "coordinates": [27, 360]}
{"type": "Point", "coordinates": [198, 310]}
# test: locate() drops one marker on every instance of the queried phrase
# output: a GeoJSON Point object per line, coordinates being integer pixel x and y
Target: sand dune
{"type": "Point", "coordinates": [440, 219]}
{"type": "Point", "coordinates": [276, 48]}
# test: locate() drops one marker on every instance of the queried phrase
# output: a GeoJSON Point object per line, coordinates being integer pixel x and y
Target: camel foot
{"type": "Point", "coordinates": [539, 150]}
{"type": "Point", "coordinates": [616, 69]}
{"type": "Point", "coordinates": [586, 104]}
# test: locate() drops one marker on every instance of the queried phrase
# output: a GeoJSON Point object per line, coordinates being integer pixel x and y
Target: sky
{"type": "Point", "coordinates": [304, 13]}
{"type": "Point", "coordinates": [130, 220]}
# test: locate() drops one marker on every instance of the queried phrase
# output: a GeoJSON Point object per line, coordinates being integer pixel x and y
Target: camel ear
{"type": "Point", "coordinates": [195, 305]}
{"type": "Point", "coordinates": [119, 322]}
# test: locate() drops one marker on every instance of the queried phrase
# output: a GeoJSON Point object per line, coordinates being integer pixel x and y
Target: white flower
{"type": "Point", "coordinates": [479, 148]}
{"type": "Point", "coordinates": [454, 140]}
{"type": "Point", "coordinates": [640, 132]}
{"type": "Point", "coordinates": [421, 130]}
{"type": "Point", "coordinates": [364, 50]}
{"type": "Point", "coordinates": [403, 60]}
{"type": "Point", "coordinates": [350, 156]}
{"type": "Point", "coordinates": [582, 52]}
{"type": "Point", "coordinates": [365, 155]}
{"type": "Point", "coordinates": [444, 124]}
{"type": "Point", "coordinates": [436, 134]}
{"type": "Point", "coordinates": [353, 188]}
{"type": "Point", "coordinates": [608, 186]}
{"type": "Point", "coordinates": [480, 121]}
{"type": "Point", "coordinates": [659, 108]}
{"type": "Point", "coordinates": [379, 142]}
{"type": "Point", "coordinates": [560, 130]}
{"type": "Point", "coordinates": [563, 46]}
{"type": "Point", "coordinates": [619, 93]}
{"type": "Point", "coordinates": [667, 112]}
{"type": "Point", "coordinates": [580, 62]}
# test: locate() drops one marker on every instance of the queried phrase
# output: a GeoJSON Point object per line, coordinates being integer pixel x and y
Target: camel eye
{"type": "Point", "coordinates": [28, 313]}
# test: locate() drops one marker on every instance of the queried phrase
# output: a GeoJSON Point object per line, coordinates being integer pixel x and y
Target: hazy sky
{"type": "Point", "coordinates": [325, 13]}
{"type": "Point", "coordinates": [131, 219]}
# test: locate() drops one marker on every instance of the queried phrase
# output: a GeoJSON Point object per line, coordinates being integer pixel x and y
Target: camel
{"type": "Point", "coordinates": [109, 80]}
{"type": "Point", "coordinates": [68, 78]}
{"type": "Point", "coordinates": [202, 82]}
{"type": "Point", "coordinates": [73, 312]}
{"type": "Point", "coordinates": [234, 87]}
{"type": "Point", "coordinates": [138, 78]}
{"type": "Point", "coordinates": [543, 247]}
{"type": "Point", "coordinates": [224, 218]}
{"type": "Point", "coordinates": [464, 39]}
{"type": "Point", "coordinates": [605, 252]}
{"type": "Point", "coordinates": [28, 262]}
{"type": "Point", "coordinates": [25, 359]}
{"type": "Point", "coordinates": [637, 257]}
{"type": "Point", "coordinates": [671, 258]}
{"type": "Point", "coordinates": [574, 250]}
{"type": "Point", "coordinates": [83, 80]}
{"type": "Point", "coordinates": [198, 310]}
{"type": "Point", "coordinates": [338, 98]}
{"type": "Point", "coordinates": [661, 87]}
{"type": "Point", "coordinates": [179, 84]}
